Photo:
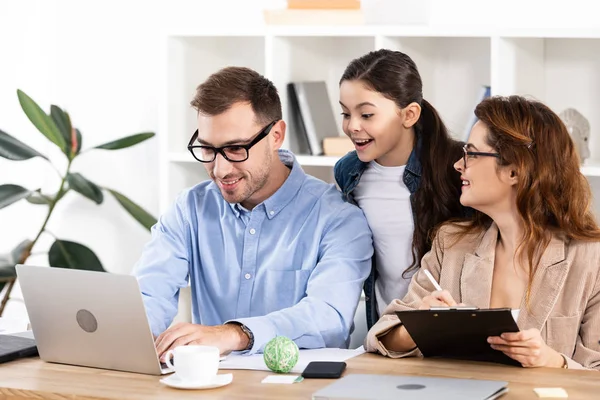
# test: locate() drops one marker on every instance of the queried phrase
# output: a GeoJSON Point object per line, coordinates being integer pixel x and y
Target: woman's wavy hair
{"type": "Point", "coordinates": [553, 196]}
{"type": "Point", "coordinates": [395, 75]}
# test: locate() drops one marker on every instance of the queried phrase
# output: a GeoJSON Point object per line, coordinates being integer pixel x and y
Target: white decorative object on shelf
{"type": "Point", "coordinates": [579, 129]}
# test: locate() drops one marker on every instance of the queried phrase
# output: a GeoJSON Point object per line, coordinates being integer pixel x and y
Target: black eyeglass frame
{"type": "Point", "coordinates": [221, 150]}
{"type": "Point", "coordinates": [476, 153]}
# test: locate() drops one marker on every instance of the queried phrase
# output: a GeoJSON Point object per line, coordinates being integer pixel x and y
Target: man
{"type": "Point", "coordinates": [268, 250]}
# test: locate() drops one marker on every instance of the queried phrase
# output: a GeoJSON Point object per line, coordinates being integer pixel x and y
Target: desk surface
{"type": "Point", "coordinates": [33, 378]}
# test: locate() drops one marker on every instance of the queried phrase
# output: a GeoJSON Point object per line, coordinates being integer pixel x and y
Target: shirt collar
{"type": "Point", "coordinates": [281, 198]}
{"type": "Point", "coordinates": [277, 202]}
{"type": "Point", "coordinates": [237, 209]}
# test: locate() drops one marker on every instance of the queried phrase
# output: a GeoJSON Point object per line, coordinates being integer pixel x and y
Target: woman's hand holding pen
{"type": "Point", "coordinates": [438, 298]}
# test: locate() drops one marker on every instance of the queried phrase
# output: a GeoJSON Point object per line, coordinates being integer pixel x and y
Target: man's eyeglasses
{"type": "Point", "coordinates": [232, 153]}
{"type": "Point", "coordinates": [469, 155]}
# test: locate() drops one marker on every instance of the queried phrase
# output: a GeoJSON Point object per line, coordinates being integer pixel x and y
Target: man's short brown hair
{"type": "Point", "coordinates": [233, 85]}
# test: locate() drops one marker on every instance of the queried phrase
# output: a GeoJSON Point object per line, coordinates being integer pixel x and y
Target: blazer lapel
{"type": "Point", "coordinates": [478, 270]}
{"type": "Point", "coordinates": [546, 286]}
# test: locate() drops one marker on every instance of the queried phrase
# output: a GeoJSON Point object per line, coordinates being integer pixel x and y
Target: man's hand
{"type": "Point", "coordinates": [528, 348]}
{"type": "Point", "coordinates": [227, 337]}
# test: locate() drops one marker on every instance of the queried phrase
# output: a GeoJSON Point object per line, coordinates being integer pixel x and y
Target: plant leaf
{"type": "Point", "coordinates": [6, 271]}
{"type": "Point", "coordinates": [63, 123]}
{"type": "Point", "coordinates": [137, 212]}
{"type": "Point", "coordinates": [42, 121]}
{"type": "Point", "coordinates": [78, 138]}
{"type": "Point", "coordinates": [66, 254]}
{"type": "Point", "coordinates": [37, 197]}
{"type": "Point", "coordinates": [16, 150]}
{"type": "Point", "coordinates": [8, 261]}
{"type": "Point", "coordinates": [84, 187]}
{"type": "Point", "coordinates": [127, 141]}
{"type": "Point", "coordinates": [17, 256]}
{"type": "Point", "coordinates": [22, 252]}
{"type": "Point", "coordinates": [12, 193]}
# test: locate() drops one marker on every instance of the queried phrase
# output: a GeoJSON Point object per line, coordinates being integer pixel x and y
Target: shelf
{"type": "Point", "coordinates": [591, 168]}
{"type": "Point", "coordinates": [313, 161]}
{"type": "Point", "coordinates": [393, 30]}
{"type": "Point", "coordinates": [558, 66]}
{"type": "Point", "coordinates": [319, 161]}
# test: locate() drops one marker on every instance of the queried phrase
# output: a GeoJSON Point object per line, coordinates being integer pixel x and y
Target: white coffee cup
{"type": "Point", "coordinates": [194, 363]}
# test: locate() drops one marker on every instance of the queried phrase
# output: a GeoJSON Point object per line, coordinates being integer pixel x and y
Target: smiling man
{"type": "Point", "coordinates": [268, 250]}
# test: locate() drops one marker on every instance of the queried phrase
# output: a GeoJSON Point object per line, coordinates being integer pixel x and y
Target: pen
{"type": "Point", "coordinates": [435, 284]}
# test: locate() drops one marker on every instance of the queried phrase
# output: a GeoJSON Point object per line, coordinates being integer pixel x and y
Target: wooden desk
{"type": "Point", "coordinates": [35, 379]}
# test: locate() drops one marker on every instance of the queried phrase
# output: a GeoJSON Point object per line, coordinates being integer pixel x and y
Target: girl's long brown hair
{"type": "Point", "coordinates": [552, 193]}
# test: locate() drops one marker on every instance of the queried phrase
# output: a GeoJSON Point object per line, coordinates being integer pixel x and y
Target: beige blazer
{"type": "Point", "coordinates": [564, 301]}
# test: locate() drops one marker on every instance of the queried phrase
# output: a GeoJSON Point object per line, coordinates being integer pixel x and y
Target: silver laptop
{"type": "Point", "coordinates": [93, 319]}
{"type": "Point", "coordinates": [384, 387]}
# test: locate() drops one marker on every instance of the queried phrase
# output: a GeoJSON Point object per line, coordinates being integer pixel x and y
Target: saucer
{"type": "Point", "coordinates": [217, 381]}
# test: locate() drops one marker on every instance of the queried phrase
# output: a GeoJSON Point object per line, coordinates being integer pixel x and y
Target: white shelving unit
{"type": "Point", "coordinates": [560, 67]}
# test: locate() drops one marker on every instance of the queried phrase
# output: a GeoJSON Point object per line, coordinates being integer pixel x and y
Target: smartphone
{"type": "Point", "coordinates": [324, 369]}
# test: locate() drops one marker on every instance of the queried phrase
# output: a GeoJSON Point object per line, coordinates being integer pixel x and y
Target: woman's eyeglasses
{"type": "Point", "coordinates": [469, 155]}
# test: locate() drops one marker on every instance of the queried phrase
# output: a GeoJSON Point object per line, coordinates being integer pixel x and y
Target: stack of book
{"type": "Point", "coordinates": [315, 127]}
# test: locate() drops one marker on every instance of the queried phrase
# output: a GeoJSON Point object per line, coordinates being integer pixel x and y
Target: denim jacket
{"type": "Point", "coordinates": [348, 171]}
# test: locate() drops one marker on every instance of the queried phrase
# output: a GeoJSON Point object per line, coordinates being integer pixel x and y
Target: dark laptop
{"type": "Point", "coordinates": [13, 347]}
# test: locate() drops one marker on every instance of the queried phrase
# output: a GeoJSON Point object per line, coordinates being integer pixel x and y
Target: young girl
{"type": "Point", "coordinates": [533, 243]}
{"type": "Point", "coordinates": [401, 173]}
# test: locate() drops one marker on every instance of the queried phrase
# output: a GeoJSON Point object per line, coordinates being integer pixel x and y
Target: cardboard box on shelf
{"type": "Point", "coordinates": [337, 146]}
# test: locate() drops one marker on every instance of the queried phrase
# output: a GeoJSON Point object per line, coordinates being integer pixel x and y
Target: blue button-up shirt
{"type": "Point", "coordinates": [293, 266]}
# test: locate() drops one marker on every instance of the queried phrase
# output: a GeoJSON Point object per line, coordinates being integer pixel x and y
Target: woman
{"type": "Point", "coordinates": [401, 173]}
{"type": "Point", "coordinates": [532, 244]}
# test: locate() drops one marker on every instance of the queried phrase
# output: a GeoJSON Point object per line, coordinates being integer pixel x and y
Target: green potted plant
{"type": "Point", "coordinates": [57, 128]}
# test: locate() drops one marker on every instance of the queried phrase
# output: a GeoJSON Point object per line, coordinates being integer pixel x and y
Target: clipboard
{"type": "Point", "coordinates": [459, 333]}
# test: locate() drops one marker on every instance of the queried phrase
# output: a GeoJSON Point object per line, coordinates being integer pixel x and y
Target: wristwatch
{"type": "Point", "coordinates": [248, 333]}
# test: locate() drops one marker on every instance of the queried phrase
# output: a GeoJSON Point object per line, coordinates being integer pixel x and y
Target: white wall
{"type": "Point", "coordinates": [101, 61]}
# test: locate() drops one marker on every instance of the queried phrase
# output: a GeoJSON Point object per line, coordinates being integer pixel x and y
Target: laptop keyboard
{"type": "Point", "coordinates": [12, 347]}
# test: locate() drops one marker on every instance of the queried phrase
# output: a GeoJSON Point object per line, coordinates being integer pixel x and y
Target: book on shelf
{"type": "Point", "coordinates": [312, 113]}
{"type": "Point", "coordinates": [484, 92]}
{"type": "Point", "coordinates": [297, 138]}
{"type": "Point", "coordinates": [324, 4]}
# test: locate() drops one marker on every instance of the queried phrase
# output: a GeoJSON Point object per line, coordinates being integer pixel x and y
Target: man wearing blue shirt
{"type": "Point", "coordinates": [268, 250]}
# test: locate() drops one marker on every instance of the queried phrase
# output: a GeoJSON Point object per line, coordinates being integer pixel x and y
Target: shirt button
{"type": "Point", "coordinates": [247, 276]}
{"type": "Point", "coordinates": [272, 212]}
{"type": "Point", "coordinates": [252, 231]}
